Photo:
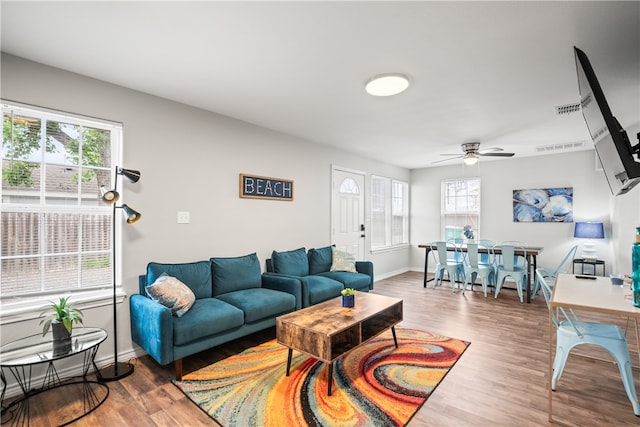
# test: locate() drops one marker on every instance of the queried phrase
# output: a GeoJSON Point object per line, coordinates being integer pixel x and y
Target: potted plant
{"type": "Point", "coordinates": [348, 297]}
{"type": "Point", "coordinates": [60, 317]}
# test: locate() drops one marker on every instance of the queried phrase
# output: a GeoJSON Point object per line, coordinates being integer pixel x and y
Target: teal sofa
{"type": "Point", "coordinates": [232, 299]}
{"type": "Point", "coordinates": [313, 269]}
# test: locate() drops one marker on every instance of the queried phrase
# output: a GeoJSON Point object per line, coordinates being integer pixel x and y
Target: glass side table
{"type": "Point", "coordinates": [20, 357]}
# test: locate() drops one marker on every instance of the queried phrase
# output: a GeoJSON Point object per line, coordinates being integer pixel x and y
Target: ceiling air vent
{"type": "Point", "coordinates": [554, 148]}
{"type": "Point", "coordinates": [567, 108]}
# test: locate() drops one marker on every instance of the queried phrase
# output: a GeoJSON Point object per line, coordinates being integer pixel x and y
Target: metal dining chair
{"type": "Point", "coordinates": [488, 257]}
{"type": "Point", "coordinates": [449, 259]}
{"type": "Point", "coordinates": [511, 265]}
{"type": "Point", "coordinates": [550, 274]}
{"type": "Point", "coordinates": [571, 331]}
{"type": "Point", "coordinates": [474, 267]}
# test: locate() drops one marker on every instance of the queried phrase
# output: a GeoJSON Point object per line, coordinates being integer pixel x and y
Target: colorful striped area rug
{"type": "Point", "coordinates": [374, 384]}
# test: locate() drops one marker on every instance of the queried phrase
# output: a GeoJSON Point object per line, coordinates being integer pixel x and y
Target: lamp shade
{"type": "Point", "coordinates": [130, 215]}
{"type": "Point", "coordinates": [130, 174]}
{"type": "Point", "coordinates": [108, 196]}
{"type": "Point", "coordinates": [589, 230]}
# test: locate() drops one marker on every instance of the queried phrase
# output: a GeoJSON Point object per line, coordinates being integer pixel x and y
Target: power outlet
{"type": "Point", "coordinates": [183, 217]}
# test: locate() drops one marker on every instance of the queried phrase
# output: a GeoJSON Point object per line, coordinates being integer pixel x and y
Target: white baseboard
{"type": "Point", "coordinates": [390, 274]}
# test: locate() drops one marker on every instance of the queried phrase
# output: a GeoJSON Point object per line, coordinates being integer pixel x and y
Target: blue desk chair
{"type": "Point", "coordinates": [474, 267]}
{"type": "Point", "coordinates": [511, 265]}
{"type": "Point", "coordinates": [550, 274]}
{"type": "Point", "coordinates": [572, 332]}
{"type": "Point", "coordinates": [449, 259]}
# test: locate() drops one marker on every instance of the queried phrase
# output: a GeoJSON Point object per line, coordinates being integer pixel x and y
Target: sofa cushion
{"type": "Point", "coordinates": [320, 260]}
{"type": "Point", "coordinates": [260, 303]}
{"type": "Point", "coordinates": [322, 288]}
{"type": "Point", "coordinates": [357, 281]}
{"type": "Point", "coordinates": [196, 275]}
{"type": "Point", "coordinates": [294, 263]}
{"type": "Point", "coordinates": [342, 261]}
{"type": "Point", "coordinates": [208, 316]}
{"type": "Point", "coordinates": [171, 293]}
{"type": "Point", "coordinates": [234, 274]}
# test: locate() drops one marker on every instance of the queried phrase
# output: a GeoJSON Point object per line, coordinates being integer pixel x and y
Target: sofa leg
{"type": "Point", "coordinates": [177, 365]}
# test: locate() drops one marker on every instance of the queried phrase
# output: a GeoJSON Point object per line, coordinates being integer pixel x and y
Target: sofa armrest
{"type": "Point", "coordinates": [304, 289]}
{"type": "Point", "coordinates": [288, 284]}
{"type": "Point", "coordinates": [365, 267]}
{"type": "Point", "coordinates": [152, 328]}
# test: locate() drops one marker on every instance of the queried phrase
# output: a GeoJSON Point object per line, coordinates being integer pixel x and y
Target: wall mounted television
{"type": "Point", "coordinates": [617, 156]}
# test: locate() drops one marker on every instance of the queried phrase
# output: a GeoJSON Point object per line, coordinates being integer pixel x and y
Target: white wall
{"type": "Point", "coordinates": [592, 201]}
{"type": "Point", "coordinates": [190, 160]}
{"type": "Point", "coordinates": [625, 217]}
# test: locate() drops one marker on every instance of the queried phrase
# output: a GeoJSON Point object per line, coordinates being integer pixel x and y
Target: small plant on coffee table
{"type": "Point", "coordinates": [348, 292]}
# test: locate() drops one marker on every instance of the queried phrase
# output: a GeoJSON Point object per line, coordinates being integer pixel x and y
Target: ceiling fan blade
{"type": "Point", "coordinates": [490, 150]}
{"type": "Point", "coordinates": [496, 154]}
{"type": "Point", "coordinates": [455, 156]}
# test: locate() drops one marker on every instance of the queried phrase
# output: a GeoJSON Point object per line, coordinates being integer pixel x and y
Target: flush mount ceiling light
{"type": "Point", "coordinates": [387, 84]}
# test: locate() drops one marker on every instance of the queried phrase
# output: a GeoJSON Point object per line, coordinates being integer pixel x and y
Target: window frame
{"type": "Point", "coordinates": [444, 213]}
{"type": "Point", "coordinates": [25, 306]}
{"type": "Point", "coordinates": [387, 207]}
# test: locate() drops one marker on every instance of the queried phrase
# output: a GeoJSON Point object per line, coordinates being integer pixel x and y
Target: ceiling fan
{"type": "Point", "coordinates": [472, 152]}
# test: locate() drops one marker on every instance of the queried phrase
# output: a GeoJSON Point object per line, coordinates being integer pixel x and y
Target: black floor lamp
{"type": "Point", "coordinates": [117, 370]}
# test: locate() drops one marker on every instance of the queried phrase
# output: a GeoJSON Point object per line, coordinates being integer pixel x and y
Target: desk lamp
{"type": "Point", "coordinates": [589, 230]}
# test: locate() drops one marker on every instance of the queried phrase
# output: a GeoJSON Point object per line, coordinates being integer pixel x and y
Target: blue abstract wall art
{"type": "Point", "coordinates": [543, 205]}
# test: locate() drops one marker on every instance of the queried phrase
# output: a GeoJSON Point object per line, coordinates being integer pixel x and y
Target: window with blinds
{"type": "Point", "coordinates": [389, 212]}
{"type": "Point", "coordinates": [56, 232]}
{"type": "Point", "coordinates": [460, 207]}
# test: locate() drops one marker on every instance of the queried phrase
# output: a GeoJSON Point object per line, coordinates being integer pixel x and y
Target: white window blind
{"type": "Point", "coordinates": [56, 232]}
{"type": "Point", "coordinates": [460, 207]}
{"type": "Point", "coordinates": [389, 212]}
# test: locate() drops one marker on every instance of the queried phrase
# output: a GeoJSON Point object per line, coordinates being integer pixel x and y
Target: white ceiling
{"type": "Point", "coordinates": [487, 71]}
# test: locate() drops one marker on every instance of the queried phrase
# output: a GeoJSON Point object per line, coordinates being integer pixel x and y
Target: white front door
{"type": "Point", "coordinates": [347, 216]}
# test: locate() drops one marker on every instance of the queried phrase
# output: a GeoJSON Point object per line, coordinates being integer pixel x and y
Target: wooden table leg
{"type": "Point", "coordinates": [426, 265]}
{"type": "Point", "coordinates": [289, 360]}
{"type": "Point", "coordinates": [330, 378]}
{"type": "Point", "coordinates": [531, 271]}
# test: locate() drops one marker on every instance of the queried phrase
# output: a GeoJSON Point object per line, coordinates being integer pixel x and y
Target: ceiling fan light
{"type": "Point", "coordinates": [387, 84]}
{"type": "Point", "coordinates": [471, 159]}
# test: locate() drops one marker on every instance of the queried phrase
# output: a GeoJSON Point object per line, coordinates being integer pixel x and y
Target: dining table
{"type": "Point", "coordinates": [529, 252]}
{"type": "Point", "coordinates": [596, 295]}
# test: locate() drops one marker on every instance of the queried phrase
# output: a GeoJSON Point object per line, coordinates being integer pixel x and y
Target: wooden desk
{"type": "Point", "coordinates": [596, 295]}
{"type": "Point", "coordinates": [532, 253]}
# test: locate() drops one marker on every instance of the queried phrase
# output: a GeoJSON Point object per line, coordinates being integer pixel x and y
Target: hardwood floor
{"type": "Point", "coordinates": [501, 379]}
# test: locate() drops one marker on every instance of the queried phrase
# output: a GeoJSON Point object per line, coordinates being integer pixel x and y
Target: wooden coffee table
{"type": "Point", "coordinates": [327, 330]}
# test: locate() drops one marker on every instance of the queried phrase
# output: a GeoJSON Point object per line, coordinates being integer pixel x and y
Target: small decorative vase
{"type": "Point", "coordinates": [348, 300]}
{"type": "Point", "coordinates": [635, 286]}
{"type": "Point", "coordinates": [61, 339]}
